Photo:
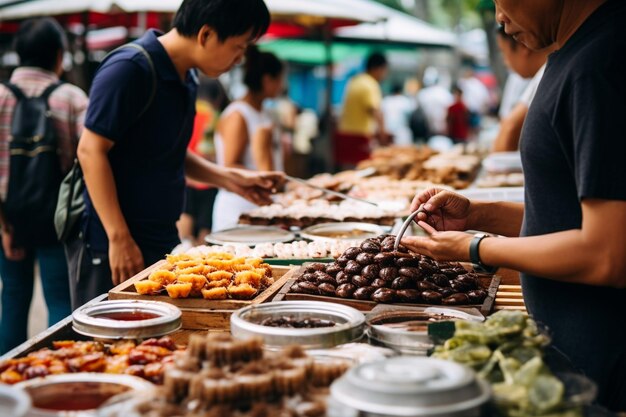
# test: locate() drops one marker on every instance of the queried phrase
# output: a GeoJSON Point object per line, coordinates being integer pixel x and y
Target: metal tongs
{"type": "Point", "coordinates": [327, 191]}
{"type": "Point", "coordinates": [406, 225]}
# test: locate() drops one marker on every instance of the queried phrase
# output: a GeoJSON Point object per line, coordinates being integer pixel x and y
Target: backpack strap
{"type": "Point", "coordinates": [50, 89]}
{"type": "Point", "coordinates": [146, 54]}
{"type": "Point", "coordinates": [17, 92]}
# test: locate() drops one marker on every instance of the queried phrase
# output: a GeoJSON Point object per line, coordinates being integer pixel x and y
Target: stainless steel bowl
{"type": "Point", "coordinates": [13, 401]}
{"type": "Point", "coordinates": [77, 395]}
{"type": "Point", "coordinates": [411, 386]}
{"type": "Point", "coordinates": [99, 320]}
{"type": "Point", "coordinates": [350, 324]}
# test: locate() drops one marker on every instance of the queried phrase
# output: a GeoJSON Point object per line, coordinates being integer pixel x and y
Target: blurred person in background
{"type": "Point", "coordinates": [476, 97]}
{"type": "Point", "coordinates": [530, 65]}
{"type": "Point", "coordinates": [245, 136]}
{"type": "Point", "coordinates": [397, 109]}
{"type": "Point", "coordinates": [40, 44]}
{"type": "Point", "coordinates": [434, 99]}
{"type": "Point", "coordinates": [197, 219]}
{"type": "Point", "coordinates": [458, 118]}
{"type": "Point", "coordinates": [362, 124]}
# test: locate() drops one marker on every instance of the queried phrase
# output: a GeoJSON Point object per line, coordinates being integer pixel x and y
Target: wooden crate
{"type": "Point", "coordinates": [490, 283]}
{"type": "Point", "coordinates": [198, 313]}
{"type": "Point", "coordinates": [509, 297]}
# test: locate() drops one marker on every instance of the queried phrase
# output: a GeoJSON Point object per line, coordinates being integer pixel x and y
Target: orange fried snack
{"type": "Point", "coordinates": [181, 290]}
{"type": "Point", "coordinates": [217, 284]}
{"type": "Point", "coordinates": [248, 277]}
{"type": "Point", "coordinates": [162, 276]}
{"type": "Point", "coordinates": [148, 287]}
{"type": "Point", "coordinates": [220, 275]}
{"type": "Point", "coordinates": [242, 291]}
{"type": "Point", "coordinates": [197, 281]}
{"type": "Point", "coordinates": [218, 293]}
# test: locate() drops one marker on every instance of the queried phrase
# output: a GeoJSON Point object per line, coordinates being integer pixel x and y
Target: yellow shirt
{"type": "Point", "coordinates": [362, 96]}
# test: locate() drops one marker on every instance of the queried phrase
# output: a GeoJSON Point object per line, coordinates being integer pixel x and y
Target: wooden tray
{"type": "Point", "coordinates": [490, 283]}
{"type": "Point", "coordinates": [199, 313]}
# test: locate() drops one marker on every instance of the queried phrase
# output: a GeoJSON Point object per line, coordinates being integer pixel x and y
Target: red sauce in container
{"type": "Point", "coordinates": [74, 402]}
{"type": "Point", "coordinates": [127, 315]}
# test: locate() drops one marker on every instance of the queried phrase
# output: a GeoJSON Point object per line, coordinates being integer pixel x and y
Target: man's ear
{"type": "Point", "coordinates": [204, 34]}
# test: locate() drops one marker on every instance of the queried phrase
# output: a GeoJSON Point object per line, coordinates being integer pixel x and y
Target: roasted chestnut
{"type": "Point", "coordinates": [379, 283]}
{"type": "Point", "coordinates": [384, 259]}
{"type": "Point", "coordinates": [369, 246]}
{"type": "Point", "coordinates": [371, 271]}
{"type": "Point", "coordinates": [402, 249]}
{"type": "Point", "coordinates": [342, 278]}
{"type": "Point", "coordinates": [364, 293]}
{"type": "Point", "coordinates": [316, 266]}
{"type": "Point", "coordinates": [352, 253]}
{"type": "Point", "coordinates": [324, 277]}
{"type": "Point", "coordinates": [333, 269]}
{"type": "Point", "coordinates": [450, 272]}
{"type": "Point", "coordinates": [411, 272]}
{"type": "Point", "coordinates": [345, 290]}
{"type": "Point", "coordinates": [365, 258]}
{"type": "Point", "coordinates": [360, 281]}
{"type": "Point", "coordinates": [427, 286]}
{"type": "Point", "coordinates": [447, 291]}
{"type": "Point", "coordinates": [431, 297]}
{"type": "Point", "coordinates": [443, 264]}
{"type": "Point", "coordinates": [401, 283]}
{"type": "Point", "coordinates": [439, 280]}
{"type": "Point", "coordinates": [352, 268]}
{"type": "Point", "coordinates": [389, 273]}
{"type": "Point", "coordinates": [383, 295]}
{"type": "Point", "coordinates": [388, 241]}
{"type": "Point", "coordinates": [456, 299]}
{"type": "Point", "coordinates": [427, 266]}
{"type": "Point", "coordinates": [405, 261]}
{"type": "Point", "coordinates": [343, 260]}
{"type": "Point", "coordinates": [461, 286]}
{"type": "Point", "coordinates": [408, 296]}
{"type": "Point", "coordinates": [470, 279]}
{"type": "Point", "coordinates": [308, 288]}
{"type": "Point", "coordinates": [476, 296]}
{"type": "Point", "coordinates": [310, 277]}
{"type": "Point", "coordinates": [327, 289]}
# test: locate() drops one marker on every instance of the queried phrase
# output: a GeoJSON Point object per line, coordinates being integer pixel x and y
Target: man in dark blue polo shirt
{"type": "Point", "coordinates": [133, 150]}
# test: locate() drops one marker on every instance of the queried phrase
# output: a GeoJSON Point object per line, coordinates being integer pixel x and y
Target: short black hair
{"type": "Point", "coordinates": [258, 64]}
{"type": "Point", "coordinates": [501, 32]}
{"type": "Point", "coordinates": [229, 18]}
{"type": "Point", "coordinates": [375, 60]}
{"type": "Point", "coordinates": [38, 43]}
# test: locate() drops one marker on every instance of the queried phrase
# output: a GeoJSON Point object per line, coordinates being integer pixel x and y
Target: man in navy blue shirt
{"type": "Point", "coordinates": [133, 150]}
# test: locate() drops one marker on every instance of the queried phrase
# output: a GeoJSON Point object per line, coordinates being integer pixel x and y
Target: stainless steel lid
{"type": "Point", "coordinates": [406, 329]}
{"type": "Point", "coordinates": [342, 231]}
{"type": "Point", "coordinates": [99, 320]}
{"type": "Point", "coordinates": [250, 235]}
{"type": "Point", "coordinates": [350, 324]}
{"type": "Point", "coordinates": [411, 386]}
{"type": "Point", "coordinates": [13, 401]}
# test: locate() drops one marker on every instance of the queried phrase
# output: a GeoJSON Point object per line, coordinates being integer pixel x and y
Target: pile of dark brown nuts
{"type": "Point", "coordinates": [374, 271]}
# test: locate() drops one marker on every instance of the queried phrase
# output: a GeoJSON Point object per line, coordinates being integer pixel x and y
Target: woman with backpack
{"type": "Point", "coordinates": [40, 123]}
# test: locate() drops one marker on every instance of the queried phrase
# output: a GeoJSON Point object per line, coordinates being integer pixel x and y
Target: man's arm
{"type": "Point", "coordinates": [253, 186]}
{"type": "Point", "coordinates": [499, 217]}
{"type": "Point", "coordinates": [591, 255]}
{"type": "Point", "coordinates": [124, 254]}
{"type": "Point", "coordinates": [511, 130]}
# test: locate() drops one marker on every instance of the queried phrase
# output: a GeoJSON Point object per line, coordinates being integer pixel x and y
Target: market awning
{"type": "Point", "coordinates": [305, 12]}
{"type": "Point", "coordinates": [396, 27]}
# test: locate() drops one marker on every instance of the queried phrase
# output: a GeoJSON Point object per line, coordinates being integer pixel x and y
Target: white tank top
{"type": "Point", "coordinates": [228, 206]}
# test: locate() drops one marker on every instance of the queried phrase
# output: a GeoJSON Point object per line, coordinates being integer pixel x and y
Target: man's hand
{"type": "Point", "coordinates": [441, 246]}
{"type": "Point", "coordinates": [125, 259]}
{"type": "Point", "coordinates": [442, 209]}
{"type": "Point", "coordinates": [256, 187]}
{"type": "Point", "coordinates": [10, 252]}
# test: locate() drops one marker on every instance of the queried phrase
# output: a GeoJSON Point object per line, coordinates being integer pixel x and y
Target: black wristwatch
{"type": "Point", "coordinates": [475, 257]}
